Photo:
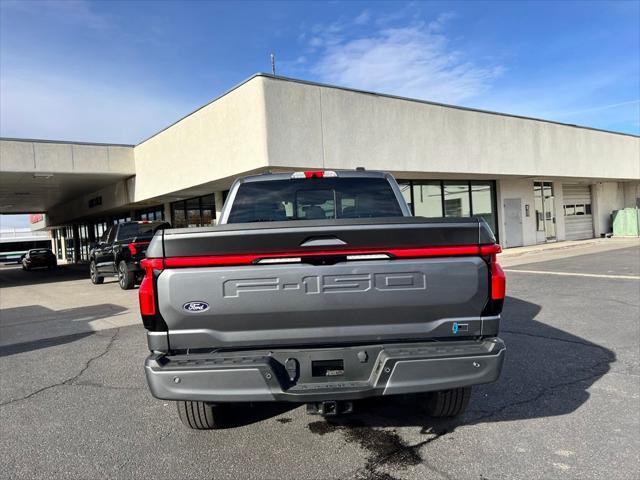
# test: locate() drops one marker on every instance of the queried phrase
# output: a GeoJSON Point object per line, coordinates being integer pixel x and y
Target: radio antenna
{"type": "Point", "coordinates": [273, 64]}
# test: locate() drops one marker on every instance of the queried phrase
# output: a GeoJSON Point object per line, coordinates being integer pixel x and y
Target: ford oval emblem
{"type": "Point", "coordinates": [195, 307]}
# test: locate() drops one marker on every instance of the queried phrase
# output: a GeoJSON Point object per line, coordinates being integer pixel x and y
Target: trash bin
{"type": "Point", "coordinates": [626, 222]}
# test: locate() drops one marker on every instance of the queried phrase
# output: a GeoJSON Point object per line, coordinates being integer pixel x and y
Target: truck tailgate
{"type": "Point", "coordinates": [302, 304]}
{"type": "Point", "coordinates": [215, 292]}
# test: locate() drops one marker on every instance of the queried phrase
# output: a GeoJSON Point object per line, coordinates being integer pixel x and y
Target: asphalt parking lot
{"type": "Point", "coordinates": [74, 402]}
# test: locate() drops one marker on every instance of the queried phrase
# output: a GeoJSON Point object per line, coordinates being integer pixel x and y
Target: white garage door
{"type": "Point", "coordinates": [578, 220]}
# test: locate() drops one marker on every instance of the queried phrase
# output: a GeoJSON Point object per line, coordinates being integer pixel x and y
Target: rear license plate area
{"type": "Point", "coordinates": [327, 368]}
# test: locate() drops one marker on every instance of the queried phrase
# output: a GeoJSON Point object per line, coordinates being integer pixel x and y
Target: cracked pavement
{"type": "Point", "coordinates": [74, 402]}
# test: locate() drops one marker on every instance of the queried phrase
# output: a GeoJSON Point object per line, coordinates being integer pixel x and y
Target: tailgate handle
{"type": "Point", "coordinates": [322, 242]}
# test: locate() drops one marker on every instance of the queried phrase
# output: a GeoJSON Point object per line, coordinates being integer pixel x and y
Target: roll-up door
{"type": "Point", "coordinates": [578, 219]}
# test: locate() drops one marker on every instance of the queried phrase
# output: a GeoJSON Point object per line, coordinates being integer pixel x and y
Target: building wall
{"type": "Point", "coordinates": [221, 139]}
{"type": "Point", "coordinates": [115, 196]}
{"type": "Point", "coordinates": [65, 157]}
{"type": "Point", "coordinates": [315, 126]}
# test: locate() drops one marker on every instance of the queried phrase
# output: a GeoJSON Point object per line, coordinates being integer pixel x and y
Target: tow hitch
{"type": "Point", "coordinates": [330, 408]}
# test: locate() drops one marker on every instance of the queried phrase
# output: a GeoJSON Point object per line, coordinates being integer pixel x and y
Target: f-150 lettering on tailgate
{"type": "Point", "coordinates": [328, 283]}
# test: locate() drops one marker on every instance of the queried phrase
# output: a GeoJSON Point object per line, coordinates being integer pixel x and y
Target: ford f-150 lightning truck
{"type": "Point", "coordinates": [320, 288]}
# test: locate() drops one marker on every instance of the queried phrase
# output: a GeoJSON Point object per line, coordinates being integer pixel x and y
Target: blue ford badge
{"type": "Point", "coordinates": [195, 307]}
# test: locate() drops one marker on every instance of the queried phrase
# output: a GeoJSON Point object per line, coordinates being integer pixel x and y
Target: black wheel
{"type": "Point", "coordinates": [126, 279]}
{"type": "Point", "coordinates": [448, 403]}
{"type": "Point", "coordinates": [200, 415]}
{"type": "Point", "coordinates": [93, 272]}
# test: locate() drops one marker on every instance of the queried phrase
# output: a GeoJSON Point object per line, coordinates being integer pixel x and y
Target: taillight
{"type": "Point", "coordinates": [146, 293]}
{"type": "Point", "coordinates": [498, 281]}
{"type": "Point", "coordinates": [133, 247]}
{"type": "Point", "coordinates": [498, 287]}
{"type": "Point", "coordinates": [297, 256]}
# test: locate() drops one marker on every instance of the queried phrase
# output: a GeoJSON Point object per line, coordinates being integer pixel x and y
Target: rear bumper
{"type": "Point", "coordinates": [387, 370]}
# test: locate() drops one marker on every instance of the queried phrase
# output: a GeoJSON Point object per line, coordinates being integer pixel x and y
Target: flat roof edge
{"type": "Point", "coordinates": [437, 104]}
{"type": "Point", "coordinates": [70, 142]}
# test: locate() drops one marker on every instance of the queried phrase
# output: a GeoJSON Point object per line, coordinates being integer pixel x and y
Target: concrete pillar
{"type": "Point", "coordinates": [54, 243]}
{"type": "Point", "coordinates": [167, 212]}
{"type": "Point", "coordinates": [219, 203]}
{"type": "Point", "coordinates": [76, 244]}
{"type": "Point", "coordinates": [63, 242]}
{"type": "Point", "coordinates": [559, 211]}
{"type": "Point", "coordinates": [606, 197]}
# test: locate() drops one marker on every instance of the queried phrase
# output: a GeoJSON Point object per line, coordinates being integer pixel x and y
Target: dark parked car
{"type": "Point", "coordinates": [39, 258]}
{"type": "Point", "coordinates": [321, 288]}
{"type": "Point", "coordinates": [119, 251]}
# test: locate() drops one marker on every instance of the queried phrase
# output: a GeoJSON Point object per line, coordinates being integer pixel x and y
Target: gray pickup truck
{"type": "Point", "coordinates": [321, 288]}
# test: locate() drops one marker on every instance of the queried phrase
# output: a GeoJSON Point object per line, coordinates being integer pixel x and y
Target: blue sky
{"type": "Point", "coordinates": [119, 71]}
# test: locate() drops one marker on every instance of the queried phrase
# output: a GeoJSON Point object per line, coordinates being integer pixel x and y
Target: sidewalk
{"type": "Point", "coordinates": [550, 251]}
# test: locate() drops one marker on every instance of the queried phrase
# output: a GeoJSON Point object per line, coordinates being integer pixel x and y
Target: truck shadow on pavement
{"type": "Point", "coordinates": [547, 372]}
{"type": "Point", "coordinates": [28, 317]}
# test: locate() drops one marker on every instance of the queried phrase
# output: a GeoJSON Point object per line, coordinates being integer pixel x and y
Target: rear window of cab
{"type": "Point", "coordinates": [314, 199]}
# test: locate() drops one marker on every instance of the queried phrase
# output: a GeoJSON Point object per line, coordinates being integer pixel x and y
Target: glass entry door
{"type": "Point", "coordinates": [545, 209]}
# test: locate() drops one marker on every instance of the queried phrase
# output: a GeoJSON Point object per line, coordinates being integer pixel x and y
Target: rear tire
{"type": "Point", "coordinates": [200, 415]}
{"type": "Point", "coordinates": [448, 403]}
{"type": "Point", "coordinates": [93, 272]}
{"type": "Point", "coordinates": [126, 279]}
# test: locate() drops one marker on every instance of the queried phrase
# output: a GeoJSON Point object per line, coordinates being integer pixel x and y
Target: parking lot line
{"type": "Point", "coordinates": [573, 274]}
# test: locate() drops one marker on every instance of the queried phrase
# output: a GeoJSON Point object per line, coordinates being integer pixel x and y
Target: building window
{"type": "Point", "coordinates": [208, 209]}
{"type": "Point", "coordinates": [151, 214]}
{"type": "Point", "coordinates": [457, 202]}
{"type": "Point", "coordinates": [178, 215]}
{"type": "Point", "coordinates": [483, 199]}
{"type": "Point", "coordinates": [194, 218]}
{"type": "Point", "coordinates": [427, 199]}
{"type": "Point", "coordinates": [443, 198]}
{"type": "Point", "coordinates": [580, 209]}
{"type": "Point", "coordinates": [194, 212]}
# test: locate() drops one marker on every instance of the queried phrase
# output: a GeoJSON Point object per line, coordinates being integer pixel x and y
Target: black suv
{"type": "Point", "coordinates": [120, 250]}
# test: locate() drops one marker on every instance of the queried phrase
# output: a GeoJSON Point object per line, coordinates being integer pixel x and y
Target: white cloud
{"type": "Point", "coordinates": [413, 61]}
{"type": "Point", "coordinates": [363, 18]}
{"type": "Point", "coordinates": [43, 104]}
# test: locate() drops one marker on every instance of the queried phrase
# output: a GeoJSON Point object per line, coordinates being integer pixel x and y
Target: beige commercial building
{"type": "Point", "coordinates": [533, 180]}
